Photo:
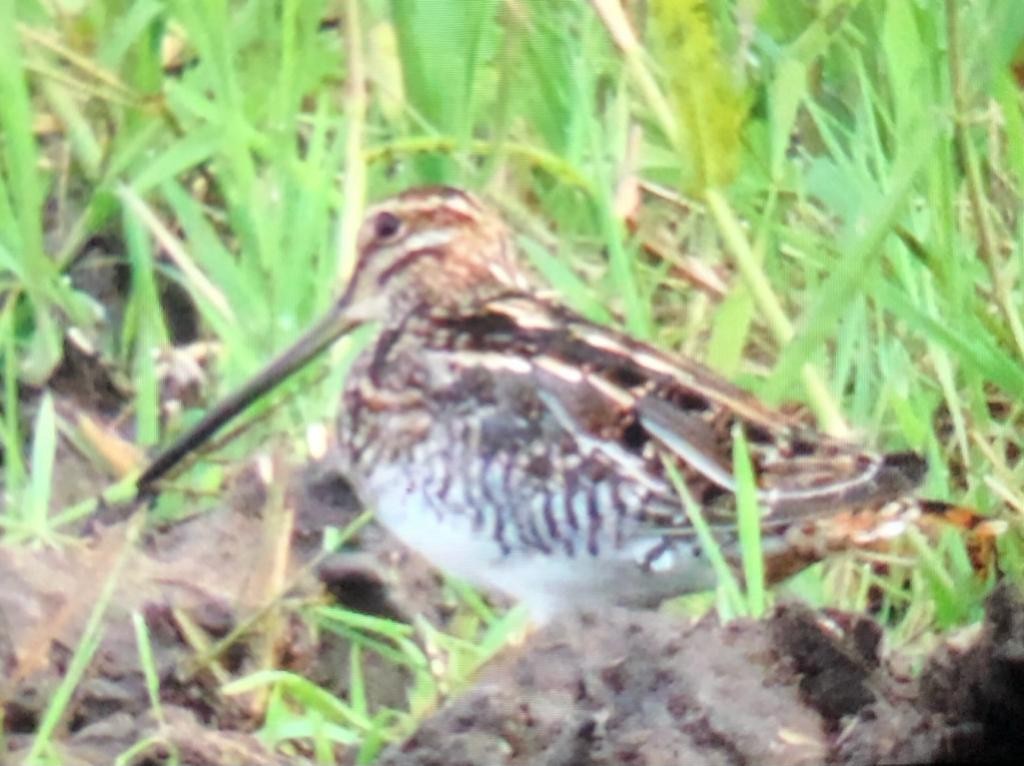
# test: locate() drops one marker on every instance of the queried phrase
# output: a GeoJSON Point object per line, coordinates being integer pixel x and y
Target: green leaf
{"type": "Point", "coordinates": [861, 250]}
{"type": "Point", "coordinates": [36, 508]}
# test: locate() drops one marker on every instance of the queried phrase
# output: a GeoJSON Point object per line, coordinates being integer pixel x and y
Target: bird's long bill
{"type": "Point", "coordinates": [335, 324]}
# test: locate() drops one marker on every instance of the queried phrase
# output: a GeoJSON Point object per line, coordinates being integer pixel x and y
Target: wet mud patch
{"type": "Point", "coordinates": [621, 687]}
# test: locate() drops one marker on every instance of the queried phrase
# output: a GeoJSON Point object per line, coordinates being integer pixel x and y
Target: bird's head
{"type": "Point", "coordinates": [433, 246]}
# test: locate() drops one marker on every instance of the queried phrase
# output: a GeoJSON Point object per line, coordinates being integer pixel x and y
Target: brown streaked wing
{"type": "Point", "coordinates": [631, 401]}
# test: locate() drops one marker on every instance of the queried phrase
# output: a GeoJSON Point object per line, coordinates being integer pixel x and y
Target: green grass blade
{"type": "Point", "coordinates": [19, 152]}
{"type": "Point", "coordinates": [732, 602]}
{"type": "Point", "coordinates": [88, 643]}
{"type": "Point", "coordinates": [860, 253]}
{"type": "Point", "coordinates": [36, 504]}
{"type": "Point", "coordinates": [748, 522]}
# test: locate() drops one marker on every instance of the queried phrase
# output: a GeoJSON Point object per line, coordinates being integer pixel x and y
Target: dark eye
{"type": "Point", "coordinates": [386, 225]}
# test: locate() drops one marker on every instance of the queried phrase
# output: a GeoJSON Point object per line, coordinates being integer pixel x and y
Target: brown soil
{"type": "Point", "coordinates": [631, 688]}
{"type": "Point", "coordinates": [798, 688]}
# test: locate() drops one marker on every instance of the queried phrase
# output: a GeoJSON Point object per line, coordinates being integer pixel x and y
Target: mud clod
{"type": "Point", "coordinates": [625, 689]}
{"type": "Point", "coordinates": [834, 654]}
{"type": "Point", "coordinates": [980, 688]}
{"type": "Point", "coordinates": [644, 689]}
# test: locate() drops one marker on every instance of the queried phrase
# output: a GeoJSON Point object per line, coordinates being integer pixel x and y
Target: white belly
{"type": "Point", "coordinates": [547, 583]}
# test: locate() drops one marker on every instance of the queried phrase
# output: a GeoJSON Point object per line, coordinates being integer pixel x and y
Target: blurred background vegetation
{"type": "Point", "coordinates": [820, 199]}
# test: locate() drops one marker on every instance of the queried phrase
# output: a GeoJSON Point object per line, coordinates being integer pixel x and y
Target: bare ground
{"type": "Point", "coordinates": [641, 688]}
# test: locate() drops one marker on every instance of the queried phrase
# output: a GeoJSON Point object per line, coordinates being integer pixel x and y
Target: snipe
{"type": "Point", "coordinates": [521, 447]}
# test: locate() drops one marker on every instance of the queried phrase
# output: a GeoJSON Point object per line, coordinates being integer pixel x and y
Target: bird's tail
{"type": "Point", "coordinates": [879, 530]}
